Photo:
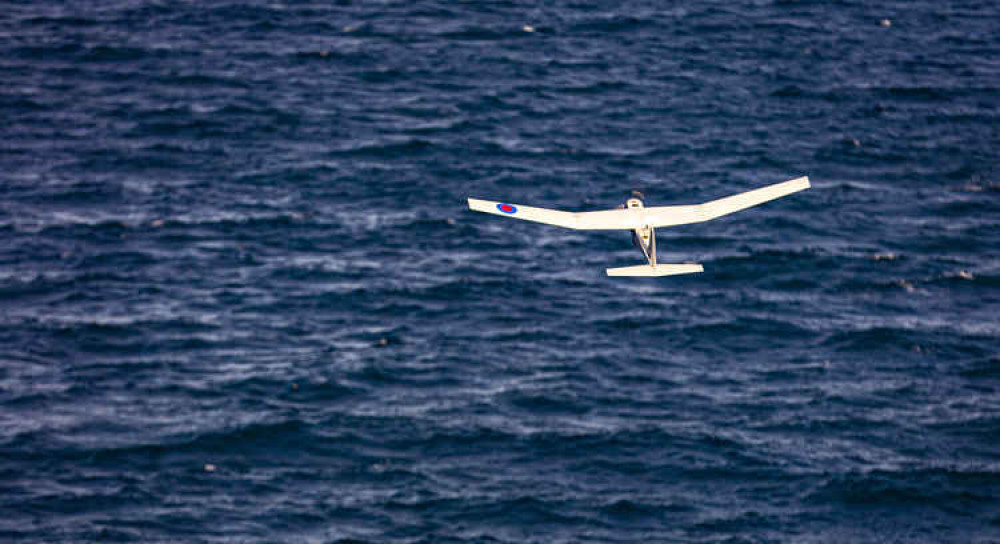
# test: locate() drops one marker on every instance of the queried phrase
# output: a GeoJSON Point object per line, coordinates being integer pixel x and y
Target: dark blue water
{"type": "Point", "coordinates": [242, 299]}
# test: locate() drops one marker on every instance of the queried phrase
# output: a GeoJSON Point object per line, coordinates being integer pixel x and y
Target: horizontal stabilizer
{"type": "Point", "coordinates": [655, 271]}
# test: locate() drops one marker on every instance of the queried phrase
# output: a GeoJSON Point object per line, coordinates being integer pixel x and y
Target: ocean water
{"type": "Point", "coordinates": [242, 298]}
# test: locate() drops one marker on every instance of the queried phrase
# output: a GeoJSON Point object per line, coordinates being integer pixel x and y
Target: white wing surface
{"type": "Point", "coordinates": [666, 216]}
{"type": "Point", "coordinates": [602, 220]}
{"type": "Point", "coordinates": [527, 213]}
{"type": "Point", "coordinates": [634, 218]}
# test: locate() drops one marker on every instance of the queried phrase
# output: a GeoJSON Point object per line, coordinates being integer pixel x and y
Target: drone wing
{"type": "Point", "coordinates": [666, 216]}
{"type": "Point", "coordinates": [634, 218]}
{"type": "Point", "coordinates": [600, 220]}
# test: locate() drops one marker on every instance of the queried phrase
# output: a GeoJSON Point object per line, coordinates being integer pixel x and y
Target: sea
{"type": "Point", "coordinates": [243, 298]}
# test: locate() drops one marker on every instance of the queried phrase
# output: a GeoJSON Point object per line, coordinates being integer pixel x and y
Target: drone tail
{"type": "Point", "coordinates": [646, 270]}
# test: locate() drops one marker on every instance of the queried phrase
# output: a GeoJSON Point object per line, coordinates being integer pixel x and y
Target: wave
{"type": "Point", "coordinates": [953, 489]}
{"type": "Point", "coordinates": [393, 148]}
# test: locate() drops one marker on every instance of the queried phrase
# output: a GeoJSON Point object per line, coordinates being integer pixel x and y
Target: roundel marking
{"type": "Point", "coordinates": [507, 208]}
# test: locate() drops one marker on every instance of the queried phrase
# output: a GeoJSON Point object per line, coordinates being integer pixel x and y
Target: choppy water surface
{"type": "Point", "coordinates": [242, 300]}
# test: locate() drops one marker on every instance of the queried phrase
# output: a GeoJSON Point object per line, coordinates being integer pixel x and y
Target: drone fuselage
{"type": "Point", "coordinates": [644, 237]}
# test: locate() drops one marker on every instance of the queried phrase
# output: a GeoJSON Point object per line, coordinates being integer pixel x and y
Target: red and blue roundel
{"type": "Point", "coordinates": [507, 208]}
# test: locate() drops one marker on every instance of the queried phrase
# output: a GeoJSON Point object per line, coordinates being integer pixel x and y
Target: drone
{"type": "Point", "coordinates": [643, 221]}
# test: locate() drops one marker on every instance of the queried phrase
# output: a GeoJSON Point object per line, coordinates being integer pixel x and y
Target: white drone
{"type": "Point", "coordinates": [642, 221]}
